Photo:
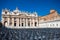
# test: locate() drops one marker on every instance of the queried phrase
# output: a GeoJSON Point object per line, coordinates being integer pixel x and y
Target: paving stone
{"type": "Point", "coordinates": [30, 34]}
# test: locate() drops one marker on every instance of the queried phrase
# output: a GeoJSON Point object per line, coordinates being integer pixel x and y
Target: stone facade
{"type": "Point", "coordinates": [19, 19]}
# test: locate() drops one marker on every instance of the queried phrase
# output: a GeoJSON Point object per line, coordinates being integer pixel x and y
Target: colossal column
{"type": "Point", "coordinates": [37, 21]}
{"type": "Point", "coordinates": [20, 22]}
{"type": "Point", "coordinates": [33, 22]}
{"type": "Point", "coordinates": [12, 22]}
{"type": "Point", "coordinates": [17, 22]}
{"type": "Point", "coordinates": [26, 22]}
{"type": "Point", "coordinates": [8, 21]}
{"type": "Point", "coordinates": [30, 21]}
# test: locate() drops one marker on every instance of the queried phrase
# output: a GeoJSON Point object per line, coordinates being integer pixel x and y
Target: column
{"type": "Point", "coordinates": [12, 22]}
{"type": "Point", "coordinates": [17, 22]}
{"type": "Point", "coordinates": [37, 21]}
{"type": "Point", "coordinates": [26, 22]}
{"type": "Point", "coordinates": [8, 21]}
{"type": "Point", "coordinates": [20, 22]}
{"type": "Point", "coordinates": [30, 21]}
{"type": "Point", "coordinates": [33, 22]}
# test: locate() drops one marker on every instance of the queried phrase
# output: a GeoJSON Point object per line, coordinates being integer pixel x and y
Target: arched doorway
{"type": "Point", "coordinates": [22, 24]}
{"type": "Point", "coordinates": [29, 23]}
{"type": "Point", "coordinates": [35, 23]}
{"type": "Point", "coordinates": [5, 23]}
{"type": "Point", "coordinates": [14, 24]}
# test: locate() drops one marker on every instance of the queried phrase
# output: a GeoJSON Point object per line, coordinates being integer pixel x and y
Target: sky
{"type": "Point", "coordinates": [42, 7]}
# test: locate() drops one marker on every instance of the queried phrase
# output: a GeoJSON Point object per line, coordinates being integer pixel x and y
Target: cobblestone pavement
{"type": "Point", "coordinates": [29, 34]}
